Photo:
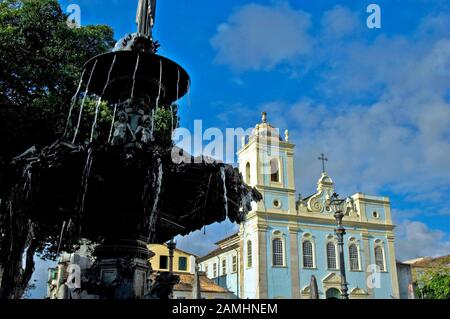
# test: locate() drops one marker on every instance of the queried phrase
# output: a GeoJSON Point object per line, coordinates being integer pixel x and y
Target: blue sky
{"type": "Point", "coordinates": [375, 101]}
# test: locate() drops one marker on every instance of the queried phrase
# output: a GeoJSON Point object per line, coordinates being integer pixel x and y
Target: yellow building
{"type": "Point", "coordinates": [182, 261]}
{"type": "Point", "coordinates": [184, 265]}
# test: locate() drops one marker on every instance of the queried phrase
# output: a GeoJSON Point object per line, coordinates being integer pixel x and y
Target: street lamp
{"type": "Point", "coordinates": [171, 245]}
{"type": "Point", "coordinates": [336, 205]}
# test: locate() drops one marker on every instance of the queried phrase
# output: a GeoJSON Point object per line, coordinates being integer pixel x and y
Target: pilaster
{"type": "Point", "coordinates": [294, 258]}
{"type": "Point", "coordinates": [262, 292]}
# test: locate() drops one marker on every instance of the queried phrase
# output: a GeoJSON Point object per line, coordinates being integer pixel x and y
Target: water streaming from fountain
{"type": "Point", "coordinates": [97, 107]}
{"type": "Point", "coordinates": [160, 83]}
{"type": "Point", "coordinates": [27, 185]}
{"type": "Point", "coordinates": [134, 75]}
{"type": "Point", "coordinates": [153, 216]}
{"type": "Point", "coordinates": [72, 104]}
{"type": "Point", "coordinates": [153, 125]}
{"type": "Point", "coordinates": [61, 237]}
{"type": "Point", "coordinates": [189, 96]}
{"type": "Point", "coordinates": [222, 174]}
{"type": "Point", "coordinates": [178, 84]}
{"type": "Point", "coordinates": [82, 103]}
{"type": "Point", "coordinates": [85, 182]}
{"type": "Point", "coordinates": [112, 123]}
{"type": "Point", "coordinates": [99, 101]}
{"type": "Point", "coordinates": [171, 121]}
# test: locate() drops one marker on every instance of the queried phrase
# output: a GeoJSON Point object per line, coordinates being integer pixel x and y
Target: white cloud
{"type": "Point", "coordinates": [339, 22]}
{"type": "Point", "coordinates": [200, 244]}
{"type": "Point", "coordinates": [258, 37]}
{"type": "Point", "coordinates": [415, 239]}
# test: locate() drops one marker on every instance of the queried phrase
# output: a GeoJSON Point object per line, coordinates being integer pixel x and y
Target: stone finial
{"type": "Point", "coordinates": [286, 135]}
{"type": "Point", "coordinates": [264, 117]}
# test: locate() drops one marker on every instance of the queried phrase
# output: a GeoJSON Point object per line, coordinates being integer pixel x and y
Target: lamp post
{"type": "Point", "coordinates": [337, 206]}
{"type": "Point", "coordinates": [171, 245]}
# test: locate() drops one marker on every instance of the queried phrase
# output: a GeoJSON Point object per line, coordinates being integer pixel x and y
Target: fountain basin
{"type": "Point", "coordinates": [146, 77]}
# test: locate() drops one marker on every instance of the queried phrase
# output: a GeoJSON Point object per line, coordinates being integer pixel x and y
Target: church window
{"type": "Point", "coordinates": [234, 264]}
{"type": "Point", "coordinates": [308, 257]}
{"type": "Point", "coordinates": [331, 256]}
{"type": "Point", "coordinates": [224, 266]}
{"type": "Point", "coordinates": [354, 257]}
{"type": "Point", "coordinates": [276, 203]}
{"type": "Point", "coordinates": [214, 270]}
{"type": "Point", "coordinates": [247, 173]}
{"type": "Point", "coordinates": [278, 259]}
{"type": "Point", "coordinates": [379, 257]}
{"type": "Point", "coordinates": [376, 215]}
{"type": "Point", "coordinates": [274, 170]}
{"type": "Point", "coordinates": [249, 254]}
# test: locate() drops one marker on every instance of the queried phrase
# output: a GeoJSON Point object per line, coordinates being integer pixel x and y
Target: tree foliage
{"type": "Point", "coordinates": [41, 60]}
{"type": "Point", "coordinates": [436, 283]}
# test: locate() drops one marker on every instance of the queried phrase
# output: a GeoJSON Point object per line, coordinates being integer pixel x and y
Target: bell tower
{"type": "Point", "coordinates": [266, 160]}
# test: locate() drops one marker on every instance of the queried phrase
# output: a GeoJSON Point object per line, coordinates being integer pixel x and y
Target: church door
{"type": "Point", "coordinates": [333, 293]}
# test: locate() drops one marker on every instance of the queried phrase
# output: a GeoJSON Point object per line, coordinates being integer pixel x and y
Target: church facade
{"type": "Point", "coordinates": [285, 240]}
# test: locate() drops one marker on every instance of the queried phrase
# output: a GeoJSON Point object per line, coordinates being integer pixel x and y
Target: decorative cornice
{"type": "Point", "coordinates": [262, 227]}
{"type": "Point", "coordinates": [293, 229]}
{"type": "Point", "coordinates": [302, 218]}
{"type": "Point", "coordinates": [280, 189]}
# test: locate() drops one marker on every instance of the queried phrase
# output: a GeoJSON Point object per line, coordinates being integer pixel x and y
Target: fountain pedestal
{"type": "Point", "coordinates": [123, 268]}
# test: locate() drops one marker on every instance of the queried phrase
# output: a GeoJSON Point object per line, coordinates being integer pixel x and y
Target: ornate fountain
{"type": "Point", "coordinates": [124, 191]}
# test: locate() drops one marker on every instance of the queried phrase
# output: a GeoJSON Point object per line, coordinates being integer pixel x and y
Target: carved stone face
{"type": "Point", "coordinates": [122, 117]}
{"type": "Point", "coordinates": [146, 121]}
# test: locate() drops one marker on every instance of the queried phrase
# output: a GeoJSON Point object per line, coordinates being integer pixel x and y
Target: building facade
{"type": "Point", "coordinates": [183, 262]}
{"type": "Point", "coordinates": [184, 266]}
{"type": "Point", "coordinates": [285, 240]}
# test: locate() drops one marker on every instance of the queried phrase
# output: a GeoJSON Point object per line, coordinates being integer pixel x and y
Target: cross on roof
{"type": "Point", "coordinates": [323, 159]}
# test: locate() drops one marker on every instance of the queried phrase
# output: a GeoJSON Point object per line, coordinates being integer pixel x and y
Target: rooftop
{"type": "Point", "coordinates": [429, 261]}
{"type": "Point", "coordinates": [206, 284]}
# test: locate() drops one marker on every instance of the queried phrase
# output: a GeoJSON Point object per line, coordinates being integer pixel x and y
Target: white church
{"type": "Point", "coordinates": [284, 241]}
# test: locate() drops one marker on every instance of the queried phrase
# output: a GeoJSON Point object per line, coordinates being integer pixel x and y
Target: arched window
{"type": "Point", "coordinates": [331, 256]}
{"type": "Point", "coordinates": [247, 173]}
{"type": "Point", "coordinates": [379, 257]}
{"type": "Point", "coordinates": [249, 254]}
{"type": "Point", "coordinates": [274, 170]}
{"type": "Point", "coordinates": [277, 247]}
{"type": "Point", "coordinates": [308, 258]}
{"type": "Point", "coordinates": [354, 257]}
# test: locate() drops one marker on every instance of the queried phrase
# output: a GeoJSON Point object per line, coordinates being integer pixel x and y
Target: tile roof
{"type": "Point", "coordinates": [206, 284]}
